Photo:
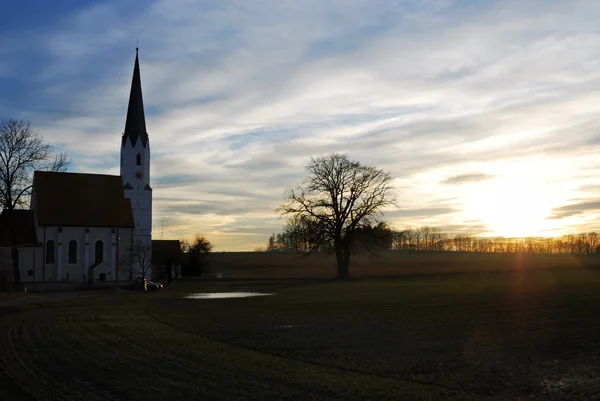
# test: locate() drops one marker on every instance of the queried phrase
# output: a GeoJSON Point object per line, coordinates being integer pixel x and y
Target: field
{"type": "Point", "coordinates": [515, 334]}
{"type": "Point", "coordinates": [253, 265]}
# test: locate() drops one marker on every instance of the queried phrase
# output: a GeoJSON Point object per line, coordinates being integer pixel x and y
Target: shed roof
{"type": "Point", "coordinates": [166, 249]}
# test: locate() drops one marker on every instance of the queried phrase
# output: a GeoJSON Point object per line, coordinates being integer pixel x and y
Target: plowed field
{"type": "Point", "coordinates": [496, 335]}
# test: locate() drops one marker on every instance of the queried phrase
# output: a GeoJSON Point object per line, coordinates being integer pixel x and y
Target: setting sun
{"type": "Point", "coordinates": [514, 205]}
{"type": "Point", "coordinates": [512, 209]}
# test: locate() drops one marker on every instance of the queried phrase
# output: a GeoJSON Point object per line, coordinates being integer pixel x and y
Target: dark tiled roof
{"type": "Point", "coordinates": [166, 249]}
{"type": "Point", "coordinates": [135, 124]}
{"type": "Point", "coordinates": [24, 226]}
{"type": "Point", "coordinates": [84, 200]}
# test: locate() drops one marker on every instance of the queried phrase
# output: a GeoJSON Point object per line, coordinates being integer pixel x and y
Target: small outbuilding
{"type": "Point", "coordinates": [167, 259]}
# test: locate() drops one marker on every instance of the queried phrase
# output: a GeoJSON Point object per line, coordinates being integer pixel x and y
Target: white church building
{"type": "Point", "coordinates": [80, 227]}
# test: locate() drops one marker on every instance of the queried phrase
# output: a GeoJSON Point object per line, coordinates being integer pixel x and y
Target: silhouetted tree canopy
{"type": "Point", "coordinates": [197, 255]}
{"type": "Point", "coordinates": [296, 237]}
{"type": "Point", "coordinates": [428, 238]}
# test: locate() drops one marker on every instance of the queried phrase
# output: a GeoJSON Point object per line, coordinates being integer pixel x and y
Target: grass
{"type": "Point", "coordinates": [525, 334]}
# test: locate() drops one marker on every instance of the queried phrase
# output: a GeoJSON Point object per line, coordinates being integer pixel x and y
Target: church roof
{"type": "Point", "coordinates": [82, 200]}
{"type": "Point", "coordinates": [135, 124]}
{"type": "Point", "coordinates": [24, 226]}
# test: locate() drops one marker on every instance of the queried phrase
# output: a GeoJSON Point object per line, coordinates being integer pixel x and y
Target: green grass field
{"type": "Point", "coordinates": [504, 335]}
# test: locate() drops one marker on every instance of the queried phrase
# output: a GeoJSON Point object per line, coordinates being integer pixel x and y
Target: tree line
{"type": "Point", "coordinates": [295, 238]}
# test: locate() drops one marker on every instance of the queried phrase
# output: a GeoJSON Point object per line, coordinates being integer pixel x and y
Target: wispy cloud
{"type": "Point", "coordinates": [239, 97]}
{"type": "Point", "coordinates": [575, 209]}
{"type": "Point", "coordinates": [466, 178]}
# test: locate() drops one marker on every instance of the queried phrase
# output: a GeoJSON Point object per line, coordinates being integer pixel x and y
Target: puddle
{"type": "Point", "coordinates": [222, 295]}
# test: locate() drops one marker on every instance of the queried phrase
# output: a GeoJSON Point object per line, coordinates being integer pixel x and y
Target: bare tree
{"type": "Point", "coordinates": [201, 245]}
{"type": "Point", "coordinates": [22, 151]}
{"type": "Point", "coordinates": [137, 262]}
{"type": "Point", "coordinates": [338, 197]}
{"type": "Point", "coordinates": [184, 245]}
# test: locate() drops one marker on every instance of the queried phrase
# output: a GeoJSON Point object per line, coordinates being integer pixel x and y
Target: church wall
{"type": "Point", "coordinates": [61, 270]}
{"type": "Point", "coordinates": [124, 243]}
{"type": "Point", "coordinates": [27, 258]}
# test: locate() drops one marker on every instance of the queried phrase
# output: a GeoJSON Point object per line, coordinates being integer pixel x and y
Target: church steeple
{"type": "Point", "coordinates": [135, 125]}
{"type": "Point", "coordinates": [135, 162]}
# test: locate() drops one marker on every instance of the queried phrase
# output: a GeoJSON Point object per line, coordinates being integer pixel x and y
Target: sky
{"type": "Point", "coordinates": [486, 113]}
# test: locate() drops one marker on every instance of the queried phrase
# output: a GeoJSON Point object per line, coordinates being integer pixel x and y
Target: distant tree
{"type": "Point", "coordinates": [201, 245]}
{"type": "Point", "coordinates": [433, 239]}
{"type": "Point", "coordinates": [197, 252]}
{"type": "Point", "coordinates": [184, 245]}
{"type": "Point", "coordinates": [280, 241]}
{"type": "Point", "coordinates": [338, 197]}
{"type": "Point", "coordinates": [271, 243]}
{"type": "Point", "coordinates": [22, 151]}
{"type": "Point", "coordinates": [298, 236]}
{"type": "Point", "coordinates": [400, 240]}
{"type": "Point", "coordinates": [374, 238]}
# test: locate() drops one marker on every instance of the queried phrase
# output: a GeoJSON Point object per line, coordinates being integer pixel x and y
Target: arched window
{"type": "Point", "coordinates": [73, 251]}
{"type": "Point", "coordinates": [138, 159]}
{"type": "Point", "coordinates": [50, 249]}
{"type": "Point", "coordinates": [99, 254]}
{"type": "Point", "coordinates": [102, 277]}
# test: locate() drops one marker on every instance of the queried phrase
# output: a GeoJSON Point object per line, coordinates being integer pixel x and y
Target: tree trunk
{"type": "Point", "coordinates": [343, 262]}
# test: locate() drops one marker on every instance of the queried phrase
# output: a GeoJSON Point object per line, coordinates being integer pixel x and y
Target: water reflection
{"type": "Point", "coordinates": [221, 295]}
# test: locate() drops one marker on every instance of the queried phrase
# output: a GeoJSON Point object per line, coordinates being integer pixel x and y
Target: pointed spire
{"type": "Point", "coordinates": [135, 125]}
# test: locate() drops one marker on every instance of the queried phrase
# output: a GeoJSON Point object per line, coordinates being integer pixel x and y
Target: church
{"type": "Point", "coordinates": [93, 228]}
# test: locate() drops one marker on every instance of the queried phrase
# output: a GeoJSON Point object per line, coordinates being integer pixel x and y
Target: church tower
{"type": "Point", "coordinates": [135, 162]}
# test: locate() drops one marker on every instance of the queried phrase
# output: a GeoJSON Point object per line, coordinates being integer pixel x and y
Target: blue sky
{"type": "Point", "coordinates": [486, 112]}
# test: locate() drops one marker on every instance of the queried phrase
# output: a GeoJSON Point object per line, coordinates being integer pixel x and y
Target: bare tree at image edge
{"type": "Point", "coordinates": [338, 198]}
{"type": "Point", "coordinates": [22, 151]}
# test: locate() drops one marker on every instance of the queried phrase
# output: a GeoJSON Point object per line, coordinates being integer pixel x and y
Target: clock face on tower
{"type": "Point", "coordinates": [138, 175]}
